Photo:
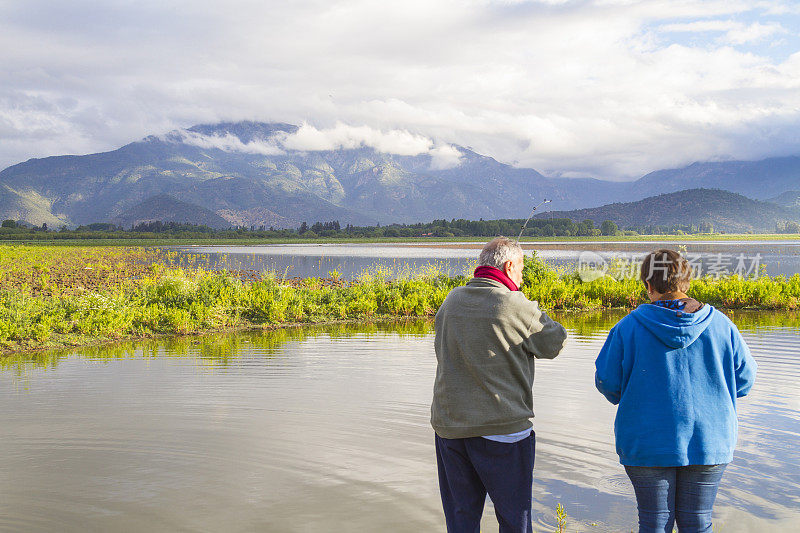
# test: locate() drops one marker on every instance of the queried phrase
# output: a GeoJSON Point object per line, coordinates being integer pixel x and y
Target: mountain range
{"type": "Point", "coordinates": [246, 174]}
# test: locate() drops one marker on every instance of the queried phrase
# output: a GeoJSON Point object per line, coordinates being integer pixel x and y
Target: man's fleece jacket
{"type": "Point", "coordinates": [487, 339]}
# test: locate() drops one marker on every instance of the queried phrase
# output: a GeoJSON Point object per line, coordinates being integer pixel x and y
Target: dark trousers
{"type": "Point", "coordinates": [684, 494]}
{"type": "Point", "coordinates": [471, 468]}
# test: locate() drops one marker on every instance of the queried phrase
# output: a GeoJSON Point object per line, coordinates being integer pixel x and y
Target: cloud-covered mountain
{"type": "Point", "coordinates": [276, 174]}
{"type": "Point", "coordinates": [280, 174]}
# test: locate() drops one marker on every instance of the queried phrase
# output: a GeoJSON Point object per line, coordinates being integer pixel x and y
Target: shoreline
{"type": "Point", "coordinates": [564, 315]}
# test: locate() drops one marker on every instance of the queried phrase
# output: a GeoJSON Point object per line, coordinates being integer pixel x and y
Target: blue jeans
{"type": "Point", "coordinates": [471, 468]}
{"type": "Point", "coordinates": [684, 494]}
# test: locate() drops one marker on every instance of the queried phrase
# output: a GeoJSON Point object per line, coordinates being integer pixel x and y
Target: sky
{"type": "Point", "coordinates": [610, 89]}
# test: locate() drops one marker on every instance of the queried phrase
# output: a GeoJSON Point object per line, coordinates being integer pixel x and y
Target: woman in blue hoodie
{"type": "Point", "coordinates": [675, 368]}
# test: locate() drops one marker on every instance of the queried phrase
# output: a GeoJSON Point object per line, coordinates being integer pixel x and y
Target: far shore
{"type": "Point", "coordinates": [416, 241]}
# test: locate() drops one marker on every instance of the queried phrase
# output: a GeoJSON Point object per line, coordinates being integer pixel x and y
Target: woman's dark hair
{"type": "Point", "coordinates": [666, 270]}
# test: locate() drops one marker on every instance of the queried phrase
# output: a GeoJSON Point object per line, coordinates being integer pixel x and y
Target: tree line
{"type": "Point", "coordinates": [540, 227]}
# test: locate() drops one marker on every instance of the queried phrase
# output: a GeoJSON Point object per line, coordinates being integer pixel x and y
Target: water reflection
{"type": "Point", "coordinates": [326, 428]}
{"type": "Point", "coordinates": [220, 348]}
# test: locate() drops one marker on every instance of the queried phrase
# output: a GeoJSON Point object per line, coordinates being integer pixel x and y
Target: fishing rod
{"type": "Point", "coordinates": [530, 217]}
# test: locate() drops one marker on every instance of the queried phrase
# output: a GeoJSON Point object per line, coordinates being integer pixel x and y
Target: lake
{"type": "Point", "coordinates": [326, 429]}
{"type": "Point", "coordinates": [350, 260]}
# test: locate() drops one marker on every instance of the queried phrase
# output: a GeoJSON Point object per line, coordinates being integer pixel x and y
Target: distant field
{"type": "Point", "coordinates": [245, 242]}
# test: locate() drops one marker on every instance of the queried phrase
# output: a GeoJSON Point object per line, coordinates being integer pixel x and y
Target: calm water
{"type": "Point", "coordinates": [326, 429]}
{"type": "Point", "coordinates": [307, 260]}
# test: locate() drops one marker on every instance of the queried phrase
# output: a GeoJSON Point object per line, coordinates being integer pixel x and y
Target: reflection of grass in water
{"type": "Point", "coordinates": [222, 348]}
{"type": "Point", "coordinates": [165, 299]}
{"type": "Point", "coordinates": [217, 349]}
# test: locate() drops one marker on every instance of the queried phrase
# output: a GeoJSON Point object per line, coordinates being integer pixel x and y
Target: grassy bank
{"type": "Point", "coordinates": [56, 296]}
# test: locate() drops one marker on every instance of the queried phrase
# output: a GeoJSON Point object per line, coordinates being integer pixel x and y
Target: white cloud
{"type": "Point", "coordinates": [309, 138]}
{"type": "Point", "coordinates": [702, 25]}
{"type": "Point", "coordinates": [736, 33]}
{"type": "Point", "coordinates": [604, 88]}
{"type": "Point", "coordinates": [778, 7]}
{"type": "Point", "coordinates": [229, 143]}
{"type": "Point", "coordinates": [754, 33]}
{"type": "Point", "coordinates": [445, 156]}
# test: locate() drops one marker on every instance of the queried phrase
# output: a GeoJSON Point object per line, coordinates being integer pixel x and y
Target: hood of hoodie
{"type": "Point", "coordinates": [676, 329]}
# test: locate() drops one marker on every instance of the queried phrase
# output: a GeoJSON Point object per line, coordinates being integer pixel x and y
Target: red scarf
{"type": "Point", "coordinates": [497, 275]}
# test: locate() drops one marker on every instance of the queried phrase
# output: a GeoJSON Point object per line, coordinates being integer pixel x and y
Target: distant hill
{"type": "Point", "coordinates": [727, 211]}
{"type": "Point", "coordinates": [787, 199]}
{"type": "Point", "coordinates": [755, 179]}
{"type": "Point", "coordinates": [29, 205]}
{"type": "Point", "coordinates": [168, 209]}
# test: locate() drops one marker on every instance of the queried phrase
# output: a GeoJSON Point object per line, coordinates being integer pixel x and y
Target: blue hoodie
{"type": "Point", "coordinates": [676, 376]}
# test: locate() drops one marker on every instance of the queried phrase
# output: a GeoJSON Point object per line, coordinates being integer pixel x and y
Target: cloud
{"type": "Point", "coordinates": [308, 138]}
{"type": "Point", "coordinates": [778, 7]}
{"type": "Point", "coordinates": [228, 143]}
{"type": "Point", "coordinates": [754, 33]}
{"type": "Point", "coordinates": [609, 89]}
{"type": "Point", "coordinates": [736, 33]}
{"type": "Point", "coordinates": [445, 156]}
{"type": "Point", "coordinates": [702, 25]}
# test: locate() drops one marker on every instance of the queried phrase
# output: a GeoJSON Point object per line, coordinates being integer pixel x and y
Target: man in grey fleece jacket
{"type": "Point", "coordinates": [488, 335]}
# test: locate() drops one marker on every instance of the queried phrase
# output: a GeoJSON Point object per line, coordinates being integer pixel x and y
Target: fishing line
{"type": "Point", "coordinates": [530, 217]}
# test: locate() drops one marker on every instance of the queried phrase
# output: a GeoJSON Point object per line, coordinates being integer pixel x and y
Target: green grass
{"type": "Point", "coordinates": [183, 302]}
{"type": "Point", "coordinates": [53, 297]}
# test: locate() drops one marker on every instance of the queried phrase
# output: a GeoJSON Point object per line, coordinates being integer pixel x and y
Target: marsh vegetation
{"type": "Point", "coordinates": [56, 296]}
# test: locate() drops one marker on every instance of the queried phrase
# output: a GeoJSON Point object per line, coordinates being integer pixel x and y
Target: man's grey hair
{"type": "Point", "coordinates": [498, 251]}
